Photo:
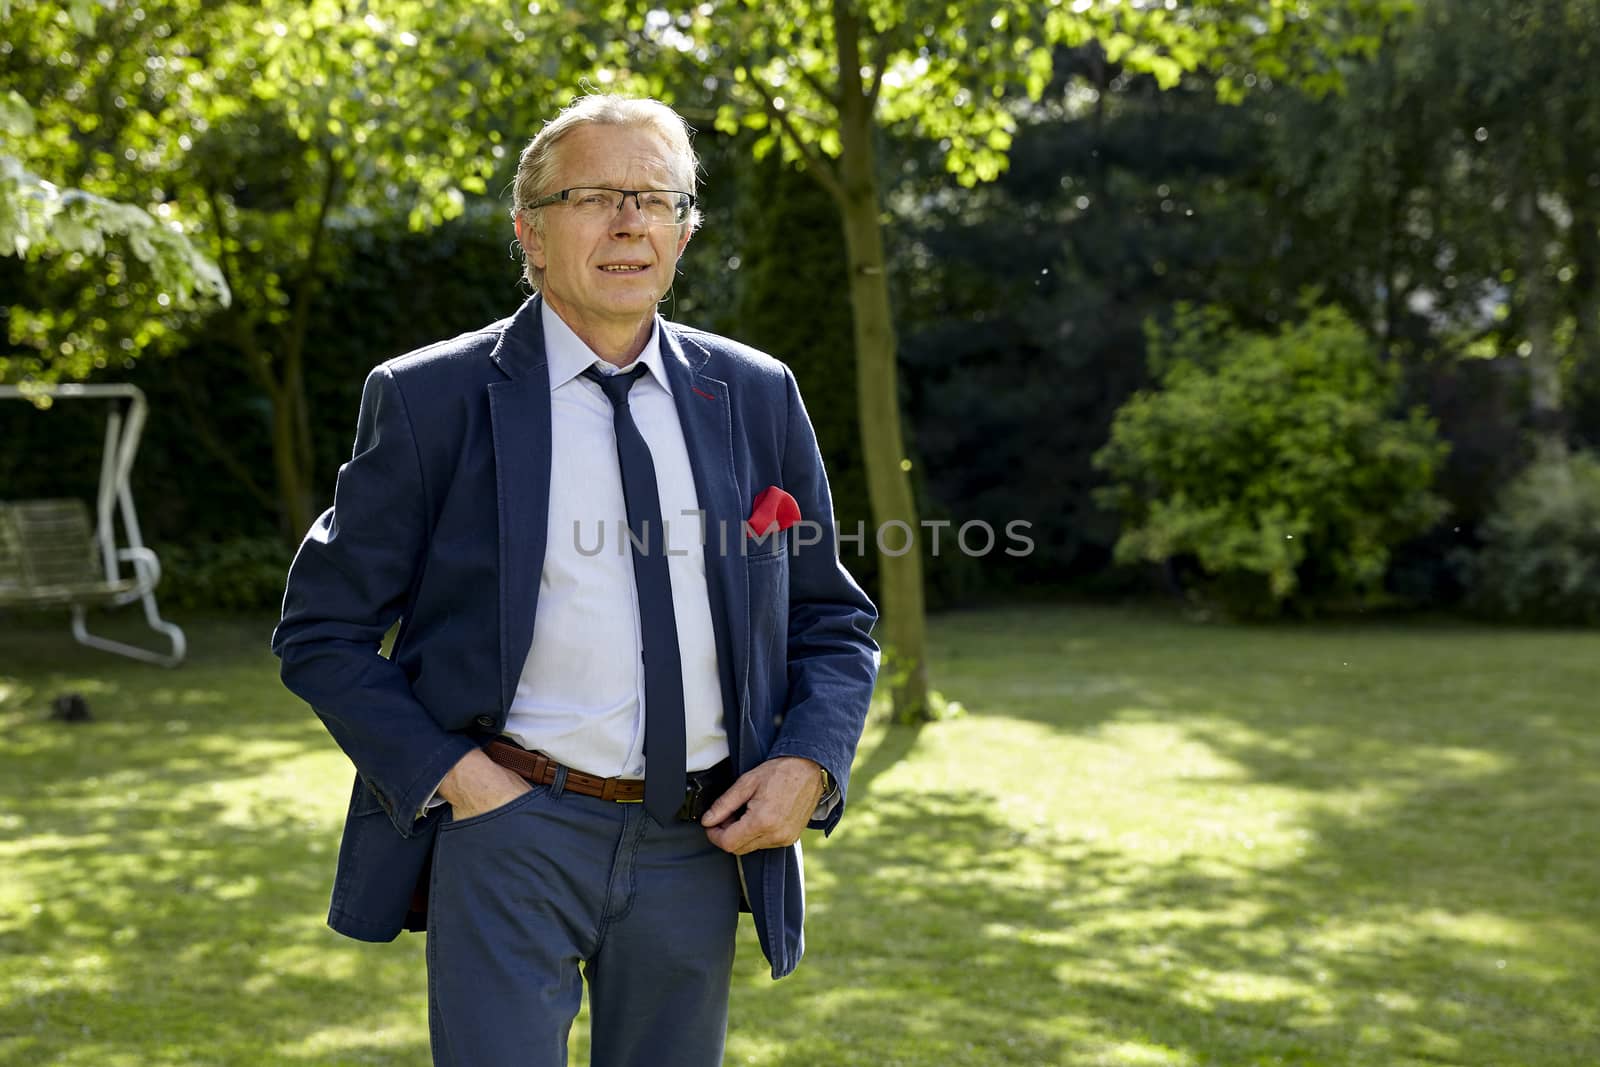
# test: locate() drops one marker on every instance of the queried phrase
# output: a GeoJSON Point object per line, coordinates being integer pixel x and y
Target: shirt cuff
{"type": "Point", "coordinates": [825, 806]}
{"type": "Point", "coordinates": [434, 800]}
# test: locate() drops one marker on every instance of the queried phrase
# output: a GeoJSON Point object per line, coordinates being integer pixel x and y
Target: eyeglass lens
{"type": "Point", "coordinates": [662, 206]}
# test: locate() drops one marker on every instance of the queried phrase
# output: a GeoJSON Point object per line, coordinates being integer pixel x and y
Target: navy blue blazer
{"type": "Point", "coordinates": [439, 523]}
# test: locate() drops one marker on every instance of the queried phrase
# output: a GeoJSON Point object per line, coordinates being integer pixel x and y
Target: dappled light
{"type": "Point", "coordinates": [1146, 842]}
{"type": "Point", "coordinates": [1180, 845]}
{"type": "Point", "coordinates": [166, 865]}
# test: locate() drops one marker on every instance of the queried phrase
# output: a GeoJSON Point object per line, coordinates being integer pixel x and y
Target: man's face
{"type": "Point", "coordinates": [606, 273]}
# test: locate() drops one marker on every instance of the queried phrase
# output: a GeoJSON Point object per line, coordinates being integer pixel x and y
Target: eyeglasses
{"type": "Point", "coordinates": [660, 207]}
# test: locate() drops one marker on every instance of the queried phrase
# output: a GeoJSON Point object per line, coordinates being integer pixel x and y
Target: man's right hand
{"type": "Point", "coordinates": [477, 784]}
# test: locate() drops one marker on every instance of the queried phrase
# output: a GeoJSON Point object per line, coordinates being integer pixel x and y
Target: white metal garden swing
{"type": "Point", "coordinates": [51, 555]}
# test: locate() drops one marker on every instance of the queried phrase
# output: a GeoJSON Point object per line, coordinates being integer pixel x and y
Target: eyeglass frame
{"type": "Point", "coordinates": [560, 196]}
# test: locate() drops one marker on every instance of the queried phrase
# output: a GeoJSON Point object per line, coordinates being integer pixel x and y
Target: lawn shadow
{"type": "Point", "coordinates": [1442, 784]}
{"type": "Point", "coordinates": [919, 899]}
{"type": "Point", "coordinates": [895, 745]}
{"type": "Point", "coordinates": [939, 933]}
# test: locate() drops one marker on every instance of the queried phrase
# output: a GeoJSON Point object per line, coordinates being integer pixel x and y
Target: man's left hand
{"type": "Point", "coordinates": [778, 796]}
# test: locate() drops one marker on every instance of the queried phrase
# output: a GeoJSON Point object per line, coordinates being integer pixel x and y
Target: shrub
{"type": "Point", "coordinates": [1276, 463]}
{"type": "Point", "coordinates": [241, 574]}
{"type": "Point", "coordinates": [1540, 560]}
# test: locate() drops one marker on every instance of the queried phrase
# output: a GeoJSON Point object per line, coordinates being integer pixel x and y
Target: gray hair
{"type": "Point", "coordinates": [536, 167]}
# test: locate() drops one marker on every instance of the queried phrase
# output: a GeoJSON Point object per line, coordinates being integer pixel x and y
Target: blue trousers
{"type": "Point", "coordinates": [525, 897]}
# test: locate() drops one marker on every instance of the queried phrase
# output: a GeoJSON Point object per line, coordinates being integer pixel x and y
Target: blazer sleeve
{"type": "Point", "coordinates": [350, 582]}
{"type": "Point", "coordinates": [833, 661]}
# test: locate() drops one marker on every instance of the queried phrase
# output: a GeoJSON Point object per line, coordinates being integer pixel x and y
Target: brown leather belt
{"type": "Point", "coordinates": [701, 792]}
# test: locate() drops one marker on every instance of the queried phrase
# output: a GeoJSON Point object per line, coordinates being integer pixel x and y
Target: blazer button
{"type": "Point", "coordinates": [485, 721]}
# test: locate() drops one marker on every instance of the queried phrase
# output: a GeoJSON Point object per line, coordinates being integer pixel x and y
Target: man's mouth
{"type": "Point", "coordinates": [623, 268]}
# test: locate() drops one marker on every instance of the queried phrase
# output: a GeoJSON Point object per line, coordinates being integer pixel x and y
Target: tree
{"type": "Point", "coordinates": [824, 82]}
{"type": "Point", "coordinates": [1458, 185]}
{"type": "Point", "coordinates": [1278, 463]}
{"type": "Point", "coordinates": [39, 218]}
{"type": "Point", "coordinates": [1022, 313]}
{"type": "Point", "coordinates": [1540, 560]}
{"type": "Point", "coordinates": [1518, 76]}
{"type": "Point", "coordinates": [263, 129]}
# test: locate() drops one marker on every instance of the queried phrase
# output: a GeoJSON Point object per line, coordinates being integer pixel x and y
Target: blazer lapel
{"type": "Point", "coordinates": [519, 411]}
{"type": "Point", "coordinates": [706, 415]}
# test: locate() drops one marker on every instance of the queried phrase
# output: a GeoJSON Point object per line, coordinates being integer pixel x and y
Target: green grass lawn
{"type": "Point", "coordinates": [1148, 842]}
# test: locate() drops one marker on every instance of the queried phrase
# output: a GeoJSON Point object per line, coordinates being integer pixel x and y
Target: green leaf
{"type": "Point", "coordinates": [1167, 72]}
{"type": "Point", "coordinates": [16, 117]}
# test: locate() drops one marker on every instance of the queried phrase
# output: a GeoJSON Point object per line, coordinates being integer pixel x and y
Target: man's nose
{"type": "Point", "coordinates": [630, 216]}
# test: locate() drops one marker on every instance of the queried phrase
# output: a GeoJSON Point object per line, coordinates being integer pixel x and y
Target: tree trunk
{"type": "Point", "coordinates": [894, 510]}
{"type": "Point", "coordinates": [291, 463]}
{"type": "Point", "coordinates": [291, 442]}
{"type": "Point", "coordinates": [293, 481]}
{"type": "Point", "coordinates": [1544, 363]}
{"type": "Point", "coordinates": [1585, 292]}
{"type": "Point", "coordinates": [286, 395]}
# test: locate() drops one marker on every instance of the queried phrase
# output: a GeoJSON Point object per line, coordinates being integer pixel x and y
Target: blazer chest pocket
{"type": "Point", "coordinates": [769, 592]}
{"type": "Point", "coordinates": [773, 546]}
{"type": "Point", "coordinates": [769, 632]}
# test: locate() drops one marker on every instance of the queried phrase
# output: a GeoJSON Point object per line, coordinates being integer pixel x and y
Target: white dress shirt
{"type": "Point", "coordinates": [580, 699]}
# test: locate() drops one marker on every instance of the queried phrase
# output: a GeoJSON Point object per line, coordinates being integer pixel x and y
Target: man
{"type": "Point", "coordinates": [625, 679]}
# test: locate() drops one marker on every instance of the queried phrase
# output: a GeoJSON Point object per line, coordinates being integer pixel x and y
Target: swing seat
{"type": "Point", "coordinates": [53, 554]}
{"type": "Point", "coordinates": [48, 557]}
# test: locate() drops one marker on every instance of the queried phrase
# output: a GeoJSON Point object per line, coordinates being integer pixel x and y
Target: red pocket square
{"type": "Point", "coordinates": [774, 510]}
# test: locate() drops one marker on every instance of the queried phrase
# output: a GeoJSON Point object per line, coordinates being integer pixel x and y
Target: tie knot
{"type": "Point", "coordinates": [615, 386]}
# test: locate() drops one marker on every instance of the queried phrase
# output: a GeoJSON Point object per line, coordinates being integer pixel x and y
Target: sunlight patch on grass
{"type": "Point", "coordinates": [88, 1054]}
{"type": "Point", "coordinates": [355, 1043]}
{"type": "Point", "coordinates": [34, 845]}
{"type": "Point", "coordinates": [188, 698]}
{"type": "Point", "coordinates": [311, 957]}
{"type": "Point", "coordinates": [1129, 1054]}
{"type": "Point", "coordinates": [1481, 928]}
{"type": "Point", "coordinates": [753, 1049]}
{"type": "Point", "coordinates": [1208, 988]}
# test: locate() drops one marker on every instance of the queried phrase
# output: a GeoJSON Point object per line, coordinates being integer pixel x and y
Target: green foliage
{"type": "Point", "coordinates": [1021, 302]}
{"type": "Point", "coordinates": [1274, 461]}
{"type": "Point", "coordinates": [949, 73]}
{"type": "Point", "coordinates": [263, 130]}
{"type": "Point", "coordinates": [241, 575]}
{"type": "Point", "coordinates": [1453, 190]}
{"type": "Point", "coordinates": [37, 216]}
{"type": "Point", "coordinates": [1540, 560]}
{"type": "Point", "coordinates": [40, 219]}
{"type": "Point", "coordinates": [204, 469]}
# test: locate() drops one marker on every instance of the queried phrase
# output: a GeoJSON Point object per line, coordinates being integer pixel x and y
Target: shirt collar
{"type": "Point", "coordinates": [567, 356]}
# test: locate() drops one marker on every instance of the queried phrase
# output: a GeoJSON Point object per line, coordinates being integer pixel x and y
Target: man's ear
{"type": "Point", "coordinates": [683, 241]}
{"type": "Point", "coordinates": [531, 241]}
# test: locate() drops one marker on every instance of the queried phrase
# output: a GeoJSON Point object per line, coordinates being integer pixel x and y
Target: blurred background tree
{"type": "Point", "coordinates": [1278, 464]}
{"type": "Point", "coordinates": [269, 132]}
{"type": "Point", "coordinates": [1045, 182]}
{"type": "Point", "coordinates": [824, 83]}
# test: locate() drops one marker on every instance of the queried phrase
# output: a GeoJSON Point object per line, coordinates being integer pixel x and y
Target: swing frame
{"type": "Point", "coordinates": [31, 574]}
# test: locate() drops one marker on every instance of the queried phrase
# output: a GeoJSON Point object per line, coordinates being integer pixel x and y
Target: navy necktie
{"type": "Point", "coordinates": [664, 778]}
